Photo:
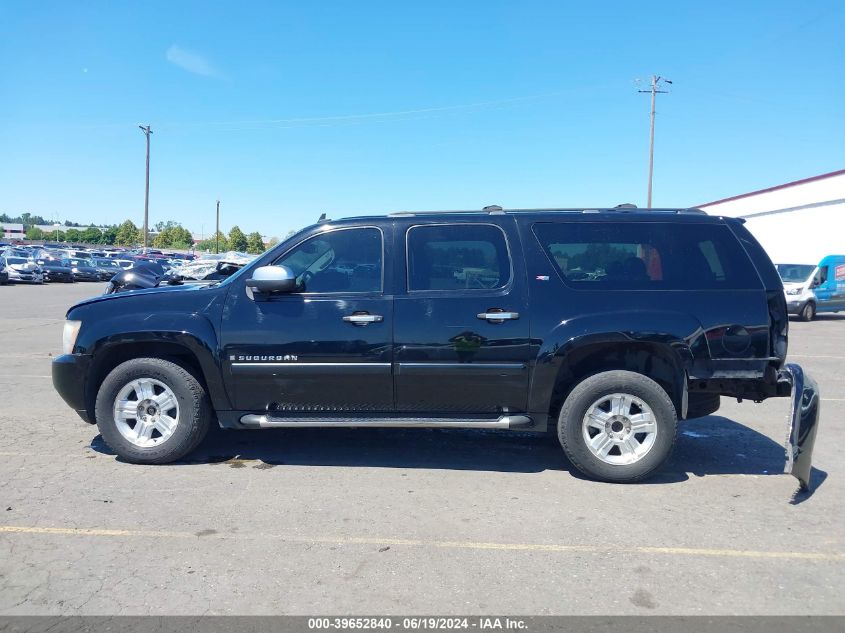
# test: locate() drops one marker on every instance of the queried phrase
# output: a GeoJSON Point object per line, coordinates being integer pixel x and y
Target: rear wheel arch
{"type": "Point", "coordinates": [658, 361]}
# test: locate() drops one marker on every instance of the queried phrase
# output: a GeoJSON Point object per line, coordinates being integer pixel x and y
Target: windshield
{"type": "Point", "coordinates": [107, 263]}
{"type": "Point", "coordinates": [795, 272]}
{"type": "Point", "coordinates": [15, 260]}
{"type": "Point", "coordinates": [80, 262]}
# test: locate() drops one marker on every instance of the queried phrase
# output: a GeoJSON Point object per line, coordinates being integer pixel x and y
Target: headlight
{"type": "Point", "coordinates": [69, 335]}
{"type": "Point", "coordinates": [794, 291]}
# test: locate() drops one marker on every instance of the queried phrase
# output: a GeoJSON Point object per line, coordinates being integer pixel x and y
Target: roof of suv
{"type": "Point", "coordinates": [629, 213]}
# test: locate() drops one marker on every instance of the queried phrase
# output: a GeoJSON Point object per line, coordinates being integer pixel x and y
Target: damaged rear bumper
{"type": "Point", "coordinates": [803, 423]}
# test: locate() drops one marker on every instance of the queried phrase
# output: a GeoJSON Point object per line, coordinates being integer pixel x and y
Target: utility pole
{"type": "Point", "coordinates": [217, 232]}
{"type": "Point", "coordinates": [655, 84]}
{"type": "Point", "coordinates": [147, 131]}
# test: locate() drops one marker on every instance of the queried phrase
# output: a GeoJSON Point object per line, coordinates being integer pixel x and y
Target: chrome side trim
{"type": "Point", "coordinates": [477, 367]}
{"type": "Point", "coordinates": [237, 364]}
{"type": "Point", "coordinates": [502, 422]}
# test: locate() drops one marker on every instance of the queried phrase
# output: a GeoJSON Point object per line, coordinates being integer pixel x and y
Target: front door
{"type": "Point", "coordinates": [325, 348]}
{"type": "Point", "coordinates": [461, 327]}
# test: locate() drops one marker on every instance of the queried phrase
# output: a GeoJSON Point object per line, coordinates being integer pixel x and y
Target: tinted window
{"type": "Point", "coordinates": [457, 257]}
{"type": "Point", "coordinates": [338, 261]}
{"type": "Point", "coordinates": [647, 255]}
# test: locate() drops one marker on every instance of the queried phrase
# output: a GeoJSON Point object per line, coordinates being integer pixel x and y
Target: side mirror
{"type": "Point", "coordinates": [815, 284]}
{"type": "Point", "coordinates": [270, 279]}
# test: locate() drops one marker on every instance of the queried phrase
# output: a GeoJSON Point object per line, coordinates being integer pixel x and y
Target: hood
{"type": "Point", "coordinates": [27, 267]}
{"type": "Point", "coordinates": [141, 292]}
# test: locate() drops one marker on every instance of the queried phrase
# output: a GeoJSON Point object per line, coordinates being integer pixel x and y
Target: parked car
{"type": "Point", "coordinates": [108, 268]}
{"type": "Point", "coordinates": [814, 288]}
{"type": "Point", "coordinates": [55, 271]}
{"type": "Point", "coordinates": [604, 326]}
{"type": "Point", "coordinates": [4, 276]}
{"type": "Point", "coordinates": [125, 264]}
{"type": "Point", "coordinates": [21, 270]}
{"type": "Point", "coordinates": [82, 269]}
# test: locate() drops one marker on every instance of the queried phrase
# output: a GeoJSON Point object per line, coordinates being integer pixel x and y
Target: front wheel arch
{"type": "Point", "coordinates": [110, 357]}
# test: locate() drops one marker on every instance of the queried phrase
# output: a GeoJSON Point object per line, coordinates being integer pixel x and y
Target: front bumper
{"type": "Point", "coordinates": [803, 424]}
{"type": "Point", "coordinates": [54, 276]}
{"type": "Point", "coordinates": [24, 277]}
{"type": "Point", "coordinates": [794, 305]}
{"type": "Point", "coordinates": [69, 375]}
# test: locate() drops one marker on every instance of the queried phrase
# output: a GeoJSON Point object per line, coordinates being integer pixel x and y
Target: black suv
{"type": "Point", "coordinates": [603, 326]}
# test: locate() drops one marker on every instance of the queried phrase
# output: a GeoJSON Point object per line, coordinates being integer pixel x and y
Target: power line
{"type": "Point", "coordinates": [655, 83]}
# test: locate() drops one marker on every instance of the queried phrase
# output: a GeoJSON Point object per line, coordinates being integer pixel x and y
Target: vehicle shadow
{"type": "Point", "coordinates": [824, 316]}
{"type": "Point", "coordinates": [712, 445]}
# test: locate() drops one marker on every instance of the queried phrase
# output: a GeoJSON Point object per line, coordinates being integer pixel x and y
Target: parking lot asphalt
{"type": "Point", "coordinates": [382, 521]}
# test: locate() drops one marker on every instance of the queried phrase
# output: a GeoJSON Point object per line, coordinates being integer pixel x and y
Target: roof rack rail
{"type": "Point", "coordinates": [492, 209]}
{"type": "Point", "coordinates": [497, 210]}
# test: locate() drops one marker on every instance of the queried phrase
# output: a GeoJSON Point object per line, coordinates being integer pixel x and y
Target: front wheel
{"type": "Point", "coordinates": [152, 411]}
{"type": "Point", "coordinates": [808, 312]}
{"type": "Point", "coordinates": [617, 426]}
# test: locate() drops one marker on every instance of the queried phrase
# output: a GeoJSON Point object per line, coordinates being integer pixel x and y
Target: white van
{"type": "Point", "coordinates": [813, 288]}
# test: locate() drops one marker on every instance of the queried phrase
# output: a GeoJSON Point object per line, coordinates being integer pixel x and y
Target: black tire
{"type": "Point", "coordinates": [194, 416]}
{"type": "Point", "coordinates": [591, 389]}
{"type": "Point", "coordinates": [808, 312]}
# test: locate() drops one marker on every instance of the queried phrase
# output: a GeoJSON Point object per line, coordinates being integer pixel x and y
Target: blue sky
{"type": "Point", "coordinates": [284, 110]}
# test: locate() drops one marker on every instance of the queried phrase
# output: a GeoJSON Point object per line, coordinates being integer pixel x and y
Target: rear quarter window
{"type": "Point", "coordinates": [646, 256]}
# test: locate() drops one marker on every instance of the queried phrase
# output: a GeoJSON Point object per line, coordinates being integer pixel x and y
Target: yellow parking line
{"type": "Point", "coordinates": [467, 545]}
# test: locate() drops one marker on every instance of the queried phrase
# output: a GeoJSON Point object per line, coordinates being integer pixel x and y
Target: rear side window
{"type": "Point", "coordinates": [457, 257]}
{"type": "Point", "coordinates": [647, 256]}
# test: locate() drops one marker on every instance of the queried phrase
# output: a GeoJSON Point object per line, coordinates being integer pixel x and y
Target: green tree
{"type": "Point", "coordinates": [273, 241]}
{"type": "Point", "coordinates": [91, 235]}
{"type": "Point", "coordinates": [209, 244]}
{"type": "Point", "coordinates": [127, 234]}
{"type": "Point", "coordinates": [72, 235]}
{"type": "Point", "coordinates": [34, 233]}
{"type": "Point", "coordinates": [173, 235]}
{"type": "Point", "coordinates": [254, 243]}
{"type": "Point", "coordinates": [237, 240]}
{"type": "Point", "coordinates": [109, 235]}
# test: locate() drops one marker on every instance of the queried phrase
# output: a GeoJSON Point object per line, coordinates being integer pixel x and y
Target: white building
{"type": "Point", "coordinates": [12, 231]}
{"type": "Point", "coordinates": [798, 222]}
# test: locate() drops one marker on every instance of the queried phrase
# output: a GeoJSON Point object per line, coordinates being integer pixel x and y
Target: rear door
{"type": "Point", "coordinates": [461, 324]}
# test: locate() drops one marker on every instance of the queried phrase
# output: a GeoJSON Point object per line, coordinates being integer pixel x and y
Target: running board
{"type": "Point", "coordinates": [502, 422]}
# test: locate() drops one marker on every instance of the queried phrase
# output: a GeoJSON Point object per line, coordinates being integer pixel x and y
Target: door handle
{"type": "Point", "coordinates": [498, 316]}
{"type": "Point", "coordinates": [363, 319]}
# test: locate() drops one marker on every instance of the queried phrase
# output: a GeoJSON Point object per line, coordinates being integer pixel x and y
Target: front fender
{"type": "Point", "coordinates": [193, 332]}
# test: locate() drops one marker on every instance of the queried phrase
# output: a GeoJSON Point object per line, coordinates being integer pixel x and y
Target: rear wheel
{"type": "Point", "coordinates": [617, 426]}
{"type": "Point", "coordinates": [152, 411]}
{"type": "Point", "coordinates": [808, 312]}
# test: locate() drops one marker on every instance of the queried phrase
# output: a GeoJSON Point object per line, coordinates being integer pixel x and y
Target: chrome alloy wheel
{"type": "Point", "coordinates": [619, 428]}
{"type": "Point", "coordinates": [146, 412]}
